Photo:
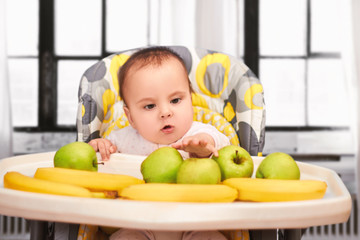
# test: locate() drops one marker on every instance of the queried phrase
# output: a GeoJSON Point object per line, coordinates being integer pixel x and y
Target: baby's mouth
{"type": "Point", "coordinates": [167, 129]}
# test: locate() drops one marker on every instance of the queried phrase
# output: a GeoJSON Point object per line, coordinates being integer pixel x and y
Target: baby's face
{"type": "Point", "coordinates": [159, 101]}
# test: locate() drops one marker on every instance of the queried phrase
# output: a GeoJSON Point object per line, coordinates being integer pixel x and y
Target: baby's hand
{"type": "Point", "coordinates": [104, 146]}
{"type": "Point", "coordinates": [200, 145]}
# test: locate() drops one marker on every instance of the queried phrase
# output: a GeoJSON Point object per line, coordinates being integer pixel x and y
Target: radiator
{"type": "Point", "coordinates": [13, 228]}
{"type": "Point", "coordinates": [344, 231]}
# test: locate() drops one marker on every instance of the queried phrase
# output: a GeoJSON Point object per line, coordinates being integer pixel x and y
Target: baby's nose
{"type": "Point", "coordinates": [165, 112]}
{"type": "Point", "coordinates": [165, 115]}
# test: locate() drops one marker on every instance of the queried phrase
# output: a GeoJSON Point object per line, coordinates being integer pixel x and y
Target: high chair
{"type": "Point", "coordinates": [227, 95]}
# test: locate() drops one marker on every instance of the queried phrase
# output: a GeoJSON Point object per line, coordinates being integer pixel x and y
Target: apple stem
{"type": "Point", "coordinates": [237, 159]}
{"type": "Point", "coordinates": [100, 163]}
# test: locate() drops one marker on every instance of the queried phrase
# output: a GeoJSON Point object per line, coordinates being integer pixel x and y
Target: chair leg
{"type": "Point", "coordinates": [270, 234]}
{"type": "Point", "coordinates": [41, 230]}
{"type": "Point", "coordinates": [291, 234]}
{"type": "Point", "coordinates": [66, 231]}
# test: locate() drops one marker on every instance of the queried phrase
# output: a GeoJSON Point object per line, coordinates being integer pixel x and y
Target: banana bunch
{"type": "Point", "coordinates": [94, 181]}
{"type": "Point", "coordinates": [80, 183]}
{"type": "Point", "coordinates": [274, 190]}
{"type": "Point", "coordinates": [18, 181]}
{"type": "Point", "coordinates": [168, 192]}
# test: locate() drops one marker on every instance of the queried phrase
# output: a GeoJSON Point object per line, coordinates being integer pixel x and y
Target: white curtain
{"type": "Point", "coordinates": [350, 33]}
{"type": "Point", "coordinates": [210, 24]}
{"type": "Point", "coordinates": [217, 25]}
{"type": "Point", "coordinates": [5, 110]}
{"type": "Point", "coordinates": [356, 50]}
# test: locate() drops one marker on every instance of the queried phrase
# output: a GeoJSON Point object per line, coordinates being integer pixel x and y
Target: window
{"type": "Point", "coordinates": [64, 38]}
{"type": "Point", "coordinates": [22, 43]}
{"type": "Point", "coordinates": [300, 64]}
{"type": "Point", "coordinates": [294, 49]}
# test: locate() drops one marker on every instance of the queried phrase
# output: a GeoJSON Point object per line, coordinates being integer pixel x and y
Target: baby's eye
{"type": "Point", "coordinates": [149, 106]}
{"type": "Point", "coordinates": [175, 100]}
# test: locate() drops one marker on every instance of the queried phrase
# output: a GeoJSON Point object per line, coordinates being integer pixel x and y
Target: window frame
{"type": "Point", "coordinates": [48, 61]}
{"type": "Point", "coordinates": [252, 58]}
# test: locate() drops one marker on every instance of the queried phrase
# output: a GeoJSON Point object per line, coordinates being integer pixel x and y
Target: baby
{"type": "Point", "coordinates": [156, 91]}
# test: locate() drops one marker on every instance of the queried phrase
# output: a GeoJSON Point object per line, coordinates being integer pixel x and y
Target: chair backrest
{"type": "Point", "coordinates": [227, 95]}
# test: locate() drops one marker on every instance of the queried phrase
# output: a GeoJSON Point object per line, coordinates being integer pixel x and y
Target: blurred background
{"type": "Point", "coordinates": [305, 53]}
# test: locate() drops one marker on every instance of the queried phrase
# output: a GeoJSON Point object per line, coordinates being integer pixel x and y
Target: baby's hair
{"type": "Point", "coordinates": [152, 56]}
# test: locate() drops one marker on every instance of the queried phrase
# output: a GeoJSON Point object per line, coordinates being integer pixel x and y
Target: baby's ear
{"type": "Point", "coordinates": [128, 115]}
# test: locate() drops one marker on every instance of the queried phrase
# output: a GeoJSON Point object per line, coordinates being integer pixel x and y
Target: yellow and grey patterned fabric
{"type": "Point", "coordinates": [227, 95]}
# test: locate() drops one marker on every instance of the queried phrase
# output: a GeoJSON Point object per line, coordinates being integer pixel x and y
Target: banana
{"type": "Point", "coordinates": [18, 181]}
{"type": "Point", "coordinates": [94, 181]}
{"type": "Point", "coordinates": [168, 192]}
{"type": "Point", "coordinates": [274, 190]}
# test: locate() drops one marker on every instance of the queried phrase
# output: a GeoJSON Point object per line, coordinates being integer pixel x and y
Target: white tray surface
{"type": "Point", "coordinates": [334, 208]}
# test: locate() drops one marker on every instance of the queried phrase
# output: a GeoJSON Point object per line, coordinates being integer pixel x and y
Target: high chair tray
{"type": "Point", "coordinates": [334, 208]}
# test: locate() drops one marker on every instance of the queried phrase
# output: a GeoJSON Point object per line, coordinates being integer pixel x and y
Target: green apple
{"type": "Point", "coordinates": [76, 155]}
{"type": "Point", "coordinates": [199, 171]}
{"type": "Point", "coordinates": [278, 165]}
{"type": "Point", "coordinates": [161, 165]}
{"type": "Point", "coordinates": [234, 161]}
